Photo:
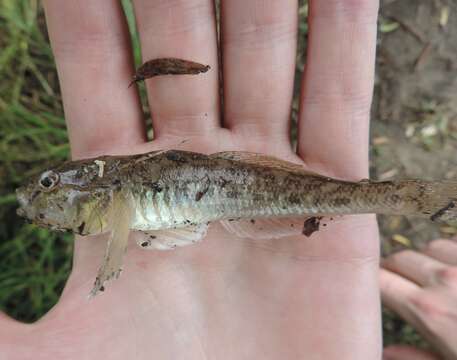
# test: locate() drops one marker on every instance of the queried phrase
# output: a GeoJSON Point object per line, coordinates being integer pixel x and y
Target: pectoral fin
{"type": "Point", "coordinates": [168, 239]}
{"type": "Point", "coordinates": [117, 243]}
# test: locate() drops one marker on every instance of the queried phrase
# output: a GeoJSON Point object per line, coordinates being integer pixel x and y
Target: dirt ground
{"type": "Point", "coordinates": [414, 126]}
{"type": "Point", "coordinates": [414, 129]}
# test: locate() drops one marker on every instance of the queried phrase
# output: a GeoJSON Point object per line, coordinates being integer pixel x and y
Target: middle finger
{"type": "Point", "coordinates": [258, 45]}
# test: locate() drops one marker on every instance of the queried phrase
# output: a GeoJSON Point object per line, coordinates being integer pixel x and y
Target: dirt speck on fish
{"type": "Point", "coordinates": [311, 225]}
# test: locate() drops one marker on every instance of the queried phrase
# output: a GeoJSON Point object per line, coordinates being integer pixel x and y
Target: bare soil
{"type": "Point", "coordinates": [414, 129]}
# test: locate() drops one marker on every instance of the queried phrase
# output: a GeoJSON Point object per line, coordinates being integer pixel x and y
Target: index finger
{"type": "Point", "coordinates": [91, 45]}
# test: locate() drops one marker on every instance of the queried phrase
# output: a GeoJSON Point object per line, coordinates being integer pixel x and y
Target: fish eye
{"type": "Point", "coordinates": [49, 180]}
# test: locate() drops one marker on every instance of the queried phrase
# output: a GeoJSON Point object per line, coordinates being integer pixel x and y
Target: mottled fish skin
{"type": "Point", "coordinates": [193, 188]}
{"type": "Point", "coordinates": [174, 188]}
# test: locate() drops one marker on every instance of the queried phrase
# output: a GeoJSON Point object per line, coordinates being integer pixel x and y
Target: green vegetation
{"type": "Point", "coordinates": [34, 263]}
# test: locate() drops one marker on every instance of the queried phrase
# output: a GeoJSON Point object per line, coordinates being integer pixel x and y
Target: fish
{"type": "Point", "coordinates": [173, 196]}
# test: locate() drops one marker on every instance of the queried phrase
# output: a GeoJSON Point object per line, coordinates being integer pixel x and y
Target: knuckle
{"type": "Point", "coordinates": [93, 48]}
{"type": "Point", "coordinates": [175, 17]}
{"type": "Point", "coordinates": [171, 4]}
{"type": "Point", "coordinates": [447, 276]}
{"type": "Point", "coordinates": [342, 96]}
{"type": "Point", "coordinates": [356, 10]}
{"type": "Point", "coordinates": [258, 36]}
{"type": "Point", "coordinates": [262, 27]}
{"type": "Point", "coordinates": [432, 312]}
{"type": "Point", "coordinates": [92, 38]}
{"type": "Point", "coordinates": [427, 307]}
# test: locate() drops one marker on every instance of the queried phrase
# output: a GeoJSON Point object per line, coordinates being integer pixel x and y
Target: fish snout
{"type": "Point", "coordinates": [23, 203]}
{"type": "Point", "coordinates": [20, 212]}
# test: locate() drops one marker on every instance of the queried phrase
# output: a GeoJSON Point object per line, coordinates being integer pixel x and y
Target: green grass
{"type": "Point", "coordinates": [35, 263]}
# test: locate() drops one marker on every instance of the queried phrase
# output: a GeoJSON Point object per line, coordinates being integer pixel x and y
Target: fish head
{"type": "Point", "coordinates": [71, 197]}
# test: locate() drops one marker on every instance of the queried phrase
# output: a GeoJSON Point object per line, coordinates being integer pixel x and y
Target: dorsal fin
{"type": "Point", "coordinates": [263, 160]}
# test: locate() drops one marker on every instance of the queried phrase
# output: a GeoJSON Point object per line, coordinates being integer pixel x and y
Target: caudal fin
{"type": "Point", "coordinates": [435, 199]}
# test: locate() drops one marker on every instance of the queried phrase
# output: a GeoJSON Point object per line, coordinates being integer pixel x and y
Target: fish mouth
{"type": "Point", "coordinates": [20, 212]}
{"type": "Point", "coordinates": [23, 202]}
{"type": "Point", "coordinates": [24, 205]}
{"type": "Point", "coordinates": [23, 213]}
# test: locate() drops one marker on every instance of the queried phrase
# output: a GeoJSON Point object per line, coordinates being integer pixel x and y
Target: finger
{"type": "Point", "coordinates": [91, 45]}
{"type": "Point", "coordinates": [417, 267]}
{"type": "Point", "coordinates": [189, 104]}
{"type": "Point", "coordinates": [396, 293]}
{"type": "Point", "coordinates": [258, 45]}
{"type": "Point", "coordinates": [443, 250]}
{"type": "Point", "coordinates": [406, 352]}
{"type": "Point", "coordinates": [12, 336]}
{"type": "Point", "coordinates": [337, 86]}
{"type": "Point", "coordinates": [7, 322]}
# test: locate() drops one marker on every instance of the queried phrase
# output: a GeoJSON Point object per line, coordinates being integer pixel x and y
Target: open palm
{"type": "Point", "coordinates": [224, 298]}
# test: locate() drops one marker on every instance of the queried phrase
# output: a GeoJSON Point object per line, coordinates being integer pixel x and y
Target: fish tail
{"type": "Point", "coordinates": [436, 200]}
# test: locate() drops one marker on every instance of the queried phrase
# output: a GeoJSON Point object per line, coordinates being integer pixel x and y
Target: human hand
{"type": "Point", "coordinates": [422, 288]}
{"type": "Point", "coordinates": [224, 298]}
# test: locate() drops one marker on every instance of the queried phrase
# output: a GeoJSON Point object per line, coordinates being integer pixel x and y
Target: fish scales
{"type": "Point", "coordinates": [209, 190]}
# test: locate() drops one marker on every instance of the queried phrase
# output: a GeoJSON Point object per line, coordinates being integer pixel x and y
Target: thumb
{"type": "Point", "coordinates": [12, 336]}
{"type": "Point", "coordinates": [406, 352]}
